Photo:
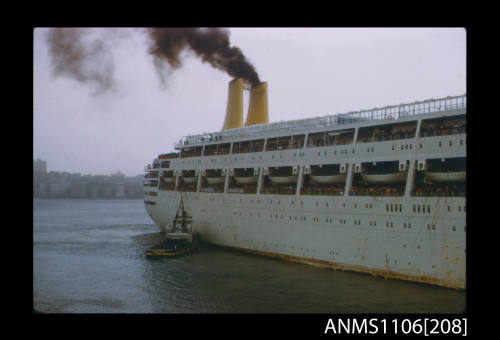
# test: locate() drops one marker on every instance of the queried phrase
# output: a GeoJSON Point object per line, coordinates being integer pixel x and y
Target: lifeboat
{"type": "Point", "coordinates": [393, 177]}
{"type": "Point", "coordinates": [169, 179]}
{"type": "Point", "coordinates": [246, 179]}
{"type": "Point", "coordinates": [452, 176]}
{"type": "Point", "coordinates": [216, 180]}
{"type": "Point", "coordinates": [189, 180]}
{"type": "Point", "coordinates": [328, 179]}
{"type": "Point", "coordinates": [283, 179]}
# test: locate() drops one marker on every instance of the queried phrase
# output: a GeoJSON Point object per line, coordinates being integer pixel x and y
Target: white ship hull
{"type": "Point", "coordinates": [408, 237]}
{"type": "Point", "coordinates": [389, 250]}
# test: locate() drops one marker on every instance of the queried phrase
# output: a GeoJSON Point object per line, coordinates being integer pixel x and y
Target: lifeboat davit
{"type": "Point", "coordinates": [393, 177]}
{"type": "Point", "coordinates": [328, 179]}
{"type": "Point", "coordinates": [283, 179]}
{"type": "Point", "coordinates": [455, 176]}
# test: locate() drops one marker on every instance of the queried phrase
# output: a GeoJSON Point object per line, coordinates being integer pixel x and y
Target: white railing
{"type": "Point", "coordinates": [393, 112]}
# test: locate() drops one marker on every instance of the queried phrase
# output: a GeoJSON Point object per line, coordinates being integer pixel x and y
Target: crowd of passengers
{"type": "Point", "coordinates": [243, 189]}
{"type": "Point", "coordinates": [439, 190]}
{"type": "Point", "coordinates": [332, 189]}
{"type": "Point", "coordinates": [278, 189]}
{"type": "Point", "coordinates": [329, 140]}
{"type": "Point", "coordinates": [186, 187]}
{"type": "Point", "coordinates": [212, 188]}
{"type": "Point", "coordinates": [377, 190]}
{"type": "Point", "coordinates": [387, 133]}
{"type": "Point", "coordinates": [443, 129]}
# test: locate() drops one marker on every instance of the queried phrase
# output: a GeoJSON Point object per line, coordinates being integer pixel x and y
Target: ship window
{"type": "Point", "coordinates": [454, 229]}
{"type": "Point", "coordinates": [428, 208]}
{"type": "Point", "coordinates": [459, 208]}
{"type": "Point", "coordinates": [418, 208]}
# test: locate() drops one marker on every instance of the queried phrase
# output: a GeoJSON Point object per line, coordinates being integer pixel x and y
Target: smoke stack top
{"type": "Point", "coordinates": [212, 45]}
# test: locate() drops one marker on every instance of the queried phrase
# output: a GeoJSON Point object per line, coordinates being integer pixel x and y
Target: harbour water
{"type": "Point", "coordinates": [88, 258]}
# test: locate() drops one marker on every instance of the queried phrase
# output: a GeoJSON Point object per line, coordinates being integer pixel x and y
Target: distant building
{"type": "Point", "coordinates": [56, 184]}
{"type": "Point", "coordinates": [58, 187]}
{"type": "Point", "coordinates": [42, 189]}
{"type": "Point", "coordinates": [78, 189]}
{"type": "Point", "coordinates": [40, 167]}
{"type": "Point", "coordinates": [120, 190]}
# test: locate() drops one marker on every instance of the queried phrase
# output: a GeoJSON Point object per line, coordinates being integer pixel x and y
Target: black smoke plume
{"type": "Point", "coordinates": [85, 54]}
{"type": "Point", "coordinates": [212, 45]}
{"type": "Point", "coordinates": [81, 55]}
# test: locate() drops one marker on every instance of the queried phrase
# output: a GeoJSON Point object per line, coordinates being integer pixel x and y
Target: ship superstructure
{"type": "Point", "coordinates": [378, 191]}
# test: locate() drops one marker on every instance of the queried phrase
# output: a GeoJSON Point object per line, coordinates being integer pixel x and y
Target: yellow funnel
{"type": "Point", "coordinates": [234, 111]}
{"type": "Point", "coordinates": [258, 112]}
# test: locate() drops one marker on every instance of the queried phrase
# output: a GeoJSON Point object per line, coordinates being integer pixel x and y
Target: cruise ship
{"type": "Point", "coordinates": [379, 191]}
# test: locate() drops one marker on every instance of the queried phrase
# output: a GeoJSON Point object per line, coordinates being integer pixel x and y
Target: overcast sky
{"type": "Point", "coordinates": [310, 72]}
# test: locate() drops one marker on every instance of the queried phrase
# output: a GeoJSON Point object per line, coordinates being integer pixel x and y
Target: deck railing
{"type": "Point", "coordinates": [393, 112]}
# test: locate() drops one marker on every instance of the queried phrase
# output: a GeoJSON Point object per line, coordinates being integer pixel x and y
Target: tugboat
{"type": "Point", "coordinates": [180, 239]}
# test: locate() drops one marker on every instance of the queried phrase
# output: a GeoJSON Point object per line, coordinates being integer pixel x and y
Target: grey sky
{"type": "Point", "coordinates": [310, 72]}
